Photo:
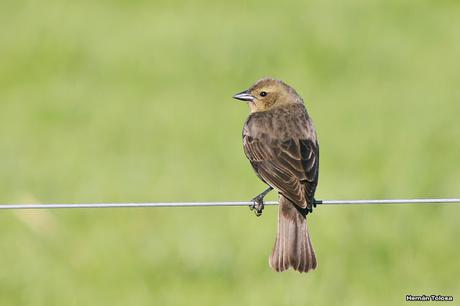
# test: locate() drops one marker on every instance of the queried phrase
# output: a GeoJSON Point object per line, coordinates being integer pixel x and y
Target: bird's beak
{"type": "Point", "coordinates": [244, 96]}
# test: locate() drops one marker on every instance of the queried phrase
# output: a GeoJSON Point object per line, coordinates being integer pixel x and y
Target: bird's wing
{"type": "Point", "coordinates": [291, 166]}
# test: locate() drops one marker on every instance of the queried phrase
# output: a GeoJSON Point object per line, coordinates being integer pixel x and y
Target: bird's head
{"type": "Point", "coordinates": [268, 93]}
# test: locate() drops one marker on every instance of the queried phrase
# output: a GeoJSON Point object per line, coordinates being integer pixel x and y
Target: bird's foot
{"type": "Point", "coordinates": [309, 209]}
{"type": "Point", "coordinates": [315, 202]}
{"type": "Point", "coordinates": [257, 205]}
{"type": "Point", "coordinates": [258, 202]}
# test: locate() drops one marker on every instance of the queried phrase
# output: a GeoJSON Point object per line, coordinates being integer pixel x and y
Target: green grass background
{"type": "Point", "coordinates": [131, 101]}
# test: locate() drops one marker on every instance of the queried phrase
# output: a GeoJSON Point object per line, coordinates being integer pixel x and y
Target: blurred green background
{"type": "Point", "coordinates": [114, 101]}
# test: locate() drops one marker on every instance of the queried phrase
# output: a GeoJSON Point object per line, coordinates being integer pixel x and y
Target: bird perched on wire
{"type": "Point", "coordinates": [280, 141]}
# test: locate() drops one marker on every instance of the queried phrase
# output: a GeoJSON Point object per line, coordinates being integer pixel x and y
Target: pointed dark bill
{"type": "Point", "coordinates": [244, 96]}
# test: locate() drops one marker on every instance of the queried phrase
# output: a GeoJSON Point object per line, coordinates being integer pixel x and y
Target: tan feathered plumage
{"type": "Point", "coordinates": [279, 140]}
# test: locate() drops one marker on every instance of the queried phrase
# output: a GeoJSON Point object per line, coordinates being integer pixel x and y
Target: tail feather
{"type": "Point", "coordinates": [293, 246]}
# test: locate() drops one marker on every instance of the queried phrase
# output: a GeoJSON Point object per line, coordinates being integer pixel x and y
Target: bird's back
{"type": "Point", "coordinates": [282, 148]}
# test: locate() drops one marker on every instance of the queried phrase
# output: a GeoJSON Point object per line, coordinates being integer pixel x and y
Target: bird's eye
{"type": "Point", "coordinates": [263, 93]}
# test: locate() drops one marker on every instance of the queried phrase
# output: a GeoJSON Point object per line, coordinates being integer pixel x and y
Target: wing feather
{"type": "Point", "coordinates": [289, 166]}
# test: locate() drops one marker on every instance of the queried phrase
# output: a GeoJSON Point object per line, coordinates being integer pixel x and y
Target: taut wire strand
{"type": "Point", "coordinates": [206, 204]}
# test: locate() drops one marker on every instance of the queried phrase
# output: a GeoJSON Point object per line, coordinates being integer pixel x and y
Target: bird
{"type": "Point", "coordinates": [280, 141]}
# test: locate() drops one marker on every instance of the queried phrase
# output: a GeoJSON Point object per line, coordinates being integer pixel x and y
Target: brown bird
{"type": "Point", "coordinates": [279, 140]}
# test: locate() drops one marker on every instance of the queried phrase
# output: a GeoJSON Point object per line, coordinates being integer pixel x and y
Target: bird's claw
{"type": "Point", "coordinates": [314, 203]}
{"type": "Point", "coordinates": [257, 205]}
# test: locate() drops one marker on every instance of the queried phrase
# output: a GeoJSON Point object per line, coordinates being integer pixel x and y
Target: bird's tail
{"type": "Point", "coordinates": [292, 246]}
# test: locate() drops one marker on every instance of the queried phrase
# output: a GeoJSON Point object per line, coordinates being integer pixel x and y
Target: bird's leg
{"type": "Point", "coordinates": [258, 202]}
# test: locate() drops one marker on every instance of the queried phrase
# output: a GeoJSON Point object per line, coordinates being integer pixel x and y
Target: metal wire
{"type": "Point", "coordinates": [197, 204]}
